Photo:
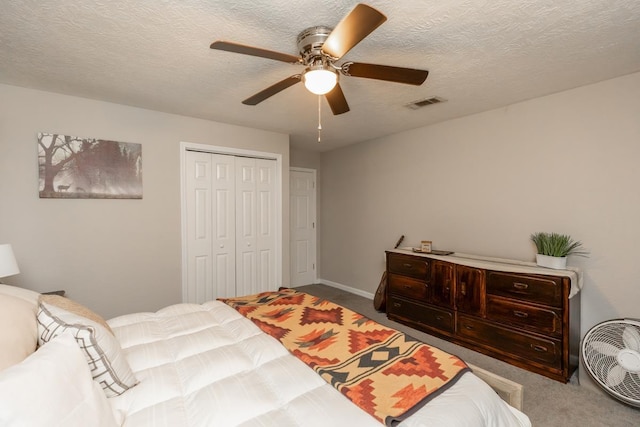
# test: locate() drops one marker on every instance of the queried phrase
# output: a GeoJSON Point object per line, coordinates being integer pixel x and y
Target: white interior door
{"type": "Point", "coordinates": [231, 226]}
{"type": "Point", "coordinates": [302, 204]}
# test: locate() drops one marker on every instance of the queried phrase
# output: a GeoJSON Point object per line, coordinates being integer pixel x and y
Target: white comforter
{"type": "Point", "coordinates": [206, 365]}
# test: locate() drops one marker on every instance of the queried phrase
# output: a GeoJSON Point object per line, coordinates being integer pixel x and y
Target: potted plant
{"type": "Point", "coordinates": [553, 249]}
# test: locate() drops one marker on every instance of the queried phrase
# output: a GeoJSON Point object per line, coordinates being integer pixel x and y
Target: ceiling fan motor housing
{"type": "Point", "coordinates": [310, 43]}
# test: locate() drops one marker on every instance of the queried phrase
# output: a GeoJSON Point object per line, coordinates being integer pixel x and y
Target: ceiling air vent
{"type": "Point", "coordinates": [424, 102]}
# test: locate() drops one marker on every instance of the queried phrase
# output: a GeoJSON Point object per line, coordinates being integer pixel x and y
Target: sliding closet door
{"type": "Point", "coordinates": [199, 236]}
{"type": "Point", "coordinates": [224, 226]}
{"type": "Point", "coordinates": [211, 226]}
{"type": "Point", "coordinates": [255, 227]}
{"type": "Point", "coordinates": [230, 226]}
{"type": "Point", "coordinates": [246, 240]}
{"type": "Point", "coordinates": [266, 224]}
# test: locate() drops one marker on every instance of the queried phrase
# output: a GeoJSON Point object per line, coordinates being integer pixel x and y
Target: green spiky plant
{"type": "Point", "coordinates": [556, 244]}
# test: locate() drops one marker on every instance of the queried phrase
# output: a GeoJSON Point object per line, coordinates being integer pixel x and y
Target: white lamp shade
{"type": "Point", "coordinates": [320, 81]}
{"type": "Point", "coordinates": [8, 264]}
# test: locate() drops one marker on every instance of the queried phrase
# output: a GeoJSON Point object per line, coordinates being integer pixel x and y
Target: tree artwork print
{"type": "Point", "coordinates": [88, 168]}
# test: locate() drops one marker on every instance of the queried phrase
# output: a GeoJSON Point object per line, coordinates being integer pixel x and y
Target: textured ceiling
{"type": "Point", "coordinates": [155, 54]}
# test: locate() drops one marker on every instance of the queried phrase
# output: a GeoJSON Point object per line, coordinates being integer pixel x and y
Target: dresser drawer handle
{"type": "Point", "coordinates": [439, 318]}
{"type": "Point", "coordinates": [521, 314]}
{"type": "Point", "coordinates": [518, 285]}
{"type": "Point", "coordinates": [397, 305]}
{"type": "Point", "coordinates": [539, 348]}
{"type": "Point", "coordinates": [407, 265]}
{"type": "Point", "coordinates": [469, 327]}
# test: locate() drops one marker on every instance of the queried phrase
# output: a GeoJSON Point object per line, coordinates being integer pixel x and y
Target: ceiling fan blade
{"type": "Point", "coordinates": [254, 51]}
{"type": "Point", "coordinates": [337, 101]}
{"type": "Point", "coordinates": [354, 27]}
{"type": "Point", "coordinates": [409, 76]}
{"type": "Point", "coordinates": [272, 90]}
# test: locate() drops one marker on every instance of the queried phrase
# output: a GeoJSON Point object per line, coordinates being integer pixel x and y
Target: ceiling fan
{"type": "Point", "coordinates": [320, 48]}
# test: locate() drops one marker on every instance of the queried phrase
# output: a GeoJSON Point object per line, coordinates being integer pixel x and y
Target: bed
{"type": "Point", "coordinates": [189, 365]}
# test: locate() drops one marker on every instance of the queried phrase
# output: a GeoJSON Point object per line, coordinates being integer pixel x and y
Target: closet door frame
{"type": "Point", "coordinates": [213, 149]}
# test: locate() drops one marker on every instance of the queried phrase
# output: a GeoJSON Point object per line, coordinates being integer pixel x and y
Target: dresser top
{"type": "Point", "coordinates": [501, 264]}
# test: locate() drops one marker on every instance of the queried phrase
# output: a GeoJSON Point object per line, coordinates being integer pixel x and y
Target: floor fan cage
{"type": "Point", "coordinates": [611, 355]}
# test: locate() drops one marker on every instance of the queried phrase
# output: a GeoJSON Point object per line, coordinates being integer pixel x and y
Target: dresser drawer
{"type": "Point", "coordinates": [547, 321]}
{"type": "Point", "coordinates": [441, 320]}
{"type": "Point", "coordinates": [408, 287]}
{"type": "Point", "coordinates": [538, 289]}
{"type": "Point", "coordinates": [408, 266]}
{"type": "Point", "coordinates": [511, 343]}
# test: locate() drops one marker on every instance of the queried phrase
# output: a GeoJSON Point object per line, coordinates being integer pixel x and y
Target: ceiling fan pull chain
{"type": "Point", "coordinates": [319, 118]}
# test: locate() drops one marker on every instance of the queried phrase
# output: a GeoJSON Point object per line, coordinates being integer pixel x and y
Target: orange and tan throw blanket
{"type": "Point", "coordinates": [388, 374]}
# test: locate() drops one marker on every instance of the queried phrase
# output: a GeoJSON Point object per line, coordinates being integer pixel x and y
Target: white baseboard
{"type": "Point", "coordinates": [346, 288]}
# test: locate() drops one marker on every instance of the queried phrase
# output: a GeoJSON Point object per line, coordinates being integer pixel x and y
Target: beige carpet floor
{"type": "Point", "coordinates": [548, 403]}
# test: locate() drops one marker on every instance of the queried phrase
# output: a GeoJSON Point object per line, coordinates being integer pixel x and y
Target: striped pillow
{"type": "Point", "coordinates": [104, 355]}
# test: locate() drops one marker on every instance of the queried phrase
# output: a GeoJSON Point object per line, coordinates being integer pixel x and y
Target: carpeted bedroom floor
{"type": "Point", "coordinates": [548, 403]}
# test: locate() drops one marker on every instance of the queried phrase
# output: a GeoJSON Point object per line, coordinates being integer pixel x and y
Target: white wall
{"type": "Point", "coordinates": [116, 256]}
{"type": "Point", "coordinates": [483, 183]}
{"type": "Point", "coordinates": [305, 158]}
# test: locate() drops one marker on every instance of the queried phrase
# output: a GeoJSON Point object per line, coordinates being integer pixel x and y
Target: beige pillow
{"type": "Point", "coordinates": [22, 293]}
{"type": "Point", "coordinates": [18, 330]}
{"type": "Point", "coordinates": [75, 308]}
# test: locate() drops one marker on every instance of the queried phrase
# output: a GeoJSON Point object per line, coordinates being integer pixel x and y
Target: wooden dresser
{"type": "Point", "coordinates": [521, 314]}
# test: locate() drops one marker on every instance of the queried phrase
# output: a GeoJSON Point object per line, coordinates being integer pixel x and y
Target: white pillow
{"type": "Point", "coordinates": [103, 353]}
{"type": "Point", "coordinates": [53, 387]}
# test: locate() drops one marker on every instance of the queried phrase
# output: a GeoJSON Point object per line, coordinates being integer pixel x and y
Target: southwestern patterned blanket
{"type": "Point", "coordinates": [387, 373]}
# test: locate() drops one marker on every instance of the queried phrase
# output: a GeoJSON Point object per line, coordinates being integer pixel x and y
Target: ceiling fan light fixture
{"type": "Point", "coordinates": [319, 80]}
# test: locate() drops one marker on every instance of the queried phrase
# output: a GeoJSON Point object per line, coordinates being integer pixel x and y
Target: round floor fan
{"type": "Point", "coordinates": [611, 354]}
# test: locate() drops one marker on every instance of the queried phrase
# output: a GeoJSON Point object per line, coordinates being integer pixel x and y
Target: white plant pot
{"type": "Point", "coordinates": [555, 262]}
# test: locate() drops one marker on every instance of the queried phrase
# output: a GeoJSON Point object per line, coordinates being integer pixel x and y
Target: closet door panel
{"type": "Point", "coordinates": [199, 253]}
{"type": "Point", "coordinates": [224, 226]}
{"type": "Point", "coordinates": [266, 224]}
{"type": "Point", "coordinates": [246, 215]}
